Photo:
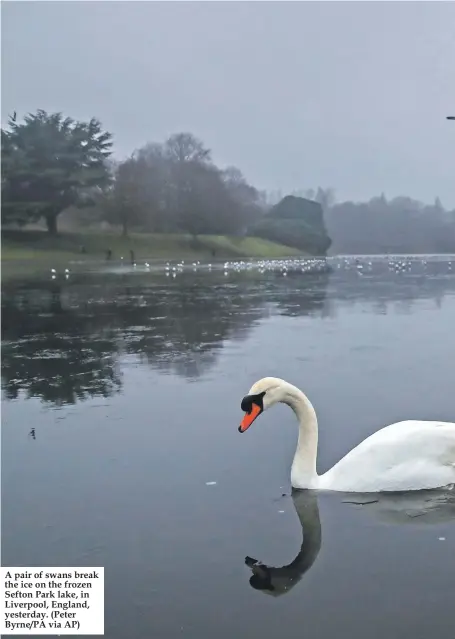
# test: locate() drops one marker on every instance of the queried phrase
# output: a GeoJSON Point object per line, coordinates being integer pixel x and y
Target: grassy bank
{"type": "Point", "coordinates": [34, 249]}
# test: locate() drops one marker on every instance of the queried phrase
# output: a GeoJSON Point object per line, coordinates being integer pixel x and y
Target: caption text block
{"type": "Point", "coordinates": [52, 601]}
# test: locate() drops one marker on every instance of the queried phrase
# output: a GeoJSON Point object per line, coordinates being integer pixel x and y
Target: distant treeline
{"type": "Point", "coordinates": [399, 225]}
{"type": "Point", "coordinates": [53, 165]}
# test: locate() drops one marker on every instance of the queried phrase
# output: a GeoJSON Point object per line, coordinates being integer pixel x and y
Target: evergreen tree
{"type": "Point", "coordinates": [50, 163]}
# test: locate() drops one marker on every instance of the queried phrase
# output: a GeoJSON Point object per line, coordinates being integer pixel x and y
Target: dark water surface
{"type": "Point", "coordinates": [121, 399]}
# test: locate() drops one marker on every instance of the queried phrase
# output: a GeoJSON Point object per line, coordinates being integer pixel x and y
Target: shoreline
{"type": "Point", "coordinates": [27, 252]}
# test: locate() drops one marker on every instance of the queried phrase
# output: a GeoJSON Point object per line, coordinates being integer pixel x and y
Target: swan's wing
{"type": "Point", "coordinates": [409, 455]}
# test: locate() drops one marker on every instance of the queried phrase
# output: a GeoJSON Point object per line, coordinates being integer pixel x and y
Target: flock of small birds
{"type": "Point", "coordinates": [362, 266]}
{"type": "Point", "coordinates": [180, 267]}
{"type": "Point", "coordinates": [396, 265]}
{"type": "Point", "coordinates": [54, 273]}
{"type": "Point", "coordinates": [310, 265]}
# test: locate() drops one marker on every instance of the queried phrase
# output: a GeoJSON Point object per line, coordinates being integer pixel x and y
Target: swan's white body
{"type": "Point", "coordinates": [408, 455]}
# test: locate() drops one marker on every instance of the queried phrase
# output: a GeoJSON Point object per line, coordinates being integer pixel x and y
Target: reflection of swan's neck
{"type": "Point", "coordinates": [307, 509]}
{"type": "Point", "coordinates": [278, 581]}
{"type": "Point", "coordinates": [303, 472]}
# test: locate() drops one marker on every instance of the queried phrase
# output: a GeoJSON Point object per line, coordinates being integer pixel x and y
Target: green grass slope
{"type": "Point", "coordinates": [39, 248]}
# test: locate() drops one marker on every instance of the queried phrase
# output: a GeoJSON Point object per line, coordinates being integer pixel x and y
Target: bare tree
{"type": "Point", "coordinates": [185, 147]}
{"type": "Point", "coordinates": [245, 200]}
{"type": "Point", "coordinates": [325, 197]}
{"type": "Point", "coordinates": [123, 202]}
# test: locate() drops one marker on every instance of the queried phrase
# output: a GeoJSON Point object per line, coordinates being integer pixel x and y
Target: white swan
{"type": "Point", "coordinates": [409, 455]}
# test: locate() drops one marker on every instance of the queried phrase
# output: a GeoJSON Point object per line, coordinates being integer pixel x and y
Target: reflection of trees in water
{"type": "Point", "coordinates": [297, 295]}
{"type": "Point", "coordinates": [180, 328]}
{"type": "Point", "coordinates": [390, 292]}
{"type": "Point", "coordinates": [59, 369]}
{"type": "Point", "coordinates": [52, 352]}
{"type": "Point", "coordinates": [62, 341]}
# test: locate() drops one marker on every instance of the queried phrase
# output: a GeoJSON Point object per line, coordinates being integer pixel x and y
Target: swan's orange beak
{"type": "Point", "coordinates": [250, 417]}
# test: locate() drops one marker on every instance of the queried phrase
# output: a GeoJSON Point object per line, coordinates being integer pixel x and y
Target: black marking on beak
{"type": "Point", "coordinates": [249, 400]}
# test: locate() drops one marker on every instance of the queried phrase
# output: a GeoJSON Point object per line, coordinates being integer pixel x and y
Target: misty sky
{"type": "Point", "coordinates": [349, 95]}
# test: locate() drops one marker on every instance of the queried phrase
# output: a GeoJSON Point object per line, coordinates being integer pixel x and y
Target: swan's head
{"type": "Point", "coordinates": [262, 395]}
{"type": "Point", "coordinates": [262, 577]}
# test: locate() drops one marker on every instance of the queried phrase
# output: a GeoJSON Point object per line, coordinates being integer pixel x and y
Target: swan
{"type": "Point", "coordinates": [405, 456]}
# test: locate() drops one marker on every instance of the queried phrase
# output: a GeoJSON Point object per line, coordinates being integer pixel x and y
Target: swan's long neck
{"type": "Point", "coordinates": [303, 472]}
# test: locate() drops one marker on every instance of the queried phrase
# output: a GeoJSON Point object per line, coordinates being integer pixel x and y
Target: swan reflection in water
{"type": "Point", "coordinates": [416, 507]}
